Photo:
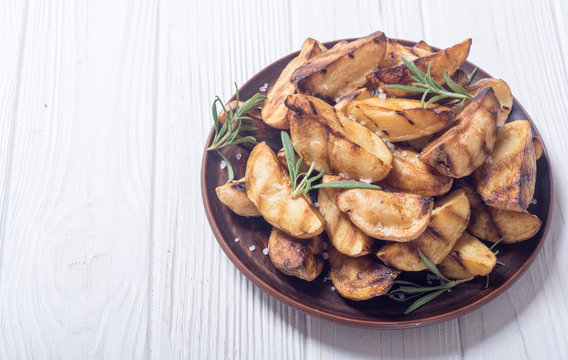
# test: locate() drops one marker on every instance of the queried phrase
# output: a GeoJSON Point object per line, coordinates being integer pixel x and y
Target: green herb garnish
{"type": "Point", "coordinates": [302, 182]}
{"type": "Point", "coordinates": [226, 133]}
{"type": "Point", "coordinates": [425, 84]}
{"type": "Point", "coordinates": [498, 262]}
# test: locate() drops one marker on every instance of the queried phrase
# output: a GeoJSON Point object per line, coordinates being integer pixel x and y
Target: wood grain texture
{"type": "Point", "coordinates": [105, 251]}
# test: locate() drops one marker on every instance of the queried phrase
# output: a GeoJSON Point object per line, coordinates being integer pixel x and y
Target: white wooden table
{"type": "Point", "coordinates": [105, 251]}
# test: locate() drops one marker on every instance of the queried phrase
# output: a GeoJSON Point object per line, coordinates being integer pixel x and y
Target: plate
{"type": "Point", "coordinates": [317, 298]}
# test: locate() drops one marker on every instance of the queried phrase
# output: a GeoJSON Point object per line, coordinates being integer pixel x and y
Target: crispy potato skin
{"type": "Point", "coordinates": [469, 258]}
{"type": "Point", "coordinates": [234, 195]}
{"type": "Point", "coordinates": [502, 92]}
{"type": "Point", "coordinates": [325, 137]}
{"type": "Point", "coordinates": [295, 257]}
{"type": "Point", "coordinates": [342, 69]}
{"type": "Point", "coordinates": [410, 174]}
{"type": "Point", "coordinates": [395, 50]}
{"type": "Point", "coordinates": [359, 94]}
{"type": "Point", "coordinates": [491, 224]}
{"type": "Point", "coordinates": [399, 119]}
{"type": "Point", "coordinates": [507, 179]}
{"type": "Point", "coordinates": [464, 147]}
{"type": "Point", "coordinates": [449, 219]}
{"type": "Point", "coordinates": [537, 143]}
{"type": "Point", "coordinates": [269, 188]}
{"type": "Point", "coordinates": [274, 111]}
{"type": "Point", "coordinates": [423, 46]}
{"type": "Point", "coordinates": [448, 60]}
{"type": "Point", "coordinates": [385, 215]}
{"type": "Point", "coordinates": [359, 278]}
{"type": "Point", "coordinates": [342, 234]}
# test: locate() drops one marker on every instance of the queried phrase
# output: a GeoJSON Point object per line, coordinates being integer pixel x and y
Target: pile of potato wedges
{"type": "Point", "coordinates": [453, 178]}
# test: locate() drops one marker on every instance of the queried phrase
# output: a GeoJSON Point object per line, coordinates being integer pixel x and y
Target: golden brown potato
{"type": "Point", "coordinates": [410, 174]}
{"type": "Point", "coordinates": [342, 234]}
{"type": "Point", "coordinates": [468, 258]}
{"type": "Point", "coordinates": [537, 143]}
{"type": "Point", "coordinates": [234, 195]}
{"type": "Point", "coordinates": [359, 94]}
{"type": "Point", "coordinates": [269, 188]}
{"type": "Point", "coordinates": [342, 69]}
{"type": "Point", "coordinates": [460, 78]}
{"type": "Point", "coordinates": [448, 60]}
{"type": "Point", "coordinates": [386, 215]}
{"type": "Point", "coordinates": [507, 178]}
{"type": "Point", "coordinates": [423, 46]}
{"type": "Point", "coordinates": [449, 219]}
{"type": "Point", "coordinates": [399, 119]}
{"type": "Point", "coordinates": [359, 278]}
{"type": "Point", "coordinates": [464, 147]}
{"type": "Point", "coordinates": [395, 50]}
{"type": "Point", "coordinates": [295, 257]}
{"type": "Point", "coordinates": [274, 111]}
{"type": "Point", "coordinates": [502, 92]}
{"type": "Point", "coordinates": [491, 224]}
{"type": "Point", "coordinates": [325, 137]}
{"type": "Point", "coordinates": [282, 160]}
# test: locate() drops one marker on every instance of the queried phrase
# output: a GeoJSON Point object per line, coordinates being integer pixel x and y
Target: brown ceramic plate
{"type": "Point", "coordinates": [316, 298]}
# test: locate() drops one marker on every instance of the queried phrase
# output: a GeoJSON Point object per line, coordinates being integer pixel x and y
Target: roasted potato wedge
{"type": "Point", "coordinates": [468, 258]}
{"type": "Point", "coordinates": [386, 215]}
{"type": "Point", "coordinates": [398, 120]}
{"type": "Point", "coordinates": [325, 137]}
{"type": "Point", "coordinates": [359, 94]}
{"type": "Point", "coordinates": [343, 235]}
{"type": "Point", "coordinates": [295, 257]}
{"type": "Point", "coordinates": [274, 111]}
{"type": "Point", "coordinates": [460, 78]}
{"type": "Point", "coordinates": [448, 60]}
{"type": "Point", "coordinates": [502, 92]}
{"type": "Point", "coordinates": [410, 174]}
{"type": "Point", "coordinates": [507, 178]}
{"type": "Point", "coordinates": [341, 70]}
{"type": "Point", "coordinates": [491, 224]}
{"type": "Point", "coordinates": [359, 278]}
{"type": "Point", "coordinates": [464, 147]}
{"type": "Point", "coordinates": [269, 188]}
{"type": "Point", "coordinates": [449, 219]}
{"type": "Point", "coordinates": [282, 160]}
{"type": "Point", "coordinates": [537, 143]}
{"type": "Point", "coordinates": [395, 50]}
{"type": "Point", "coordinates": [234, 195]}
{"type": "Point", "coordinates": [422, 45]}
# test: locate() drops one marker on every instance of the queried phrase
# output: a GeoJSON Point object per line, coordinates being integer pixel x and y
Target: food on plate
{"type": "Point", "coordinates": [274, 111]}
{"type": "Point", "coordinates": [234, 195]}
{"type": "Point", "coordinates": [395, 50]}
{"type": "Point", "coordinates": [333, 143]}
{"type": "Point", "coordinates": [449, 219]}
{"type": "Point", "coordinates": [466, 145]}
{"type": "Point", "coordinates": [468, 258]}
{"type": "Point", "coordinates": [537, 143]}
{"type": "Point", "coordinates": [502, 92]}
{"type": "Point", "coordinates": [359, 278]}
{"type": "Point", "coordinates": [340, 70]}
{"type": "Point", "coordinates": [399, 217]}
{"type": "Point", "coordinates": [269, 188]}
{"type": "Point", "coordinates": [412, 175]}
{"type": "Point", "coordinates": [398, 120]}
{"type": "Point", "coordinates": [342, 233]}
{"type": "Point", "coordinates": [296, 257]}
{"type": "Point", "coordinates": [507, 178]}
{"type": "Point", "coordinates": [448, 60]}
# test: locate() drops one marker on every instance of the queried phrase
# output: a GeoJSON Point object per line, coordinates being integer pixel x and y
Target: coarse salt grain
{"type": "Point", "coordinates": [352, 117]}
{"type": "Point", "coordinates": [489, 160]}
{"type": "Point", "coordinates": [264, 87]}
{"type": "Point", "coordinates": [390, 145]}
{"type": "Point", "coordinates": [344, 175]}
{"type": "Point", "coordinates": [223, 164]}
{"type": "Point", "coordinates": [238, 156]}
{"type": "Point", "coordinates": [324, 246]}
{"type": "Point", "coordinates": [317, 204]}
{"type": "Point", "coordinates": [278, 186]}
{"type": "Point", "coordinates": [325, 256]}
{"type": "Point", "coordinates": [382, 96]}
{"type": "Point", "coordinates": [363, 122]}
{"type": "Point", "coordinates": [252, 248]}
{"type": "Point", "coordinates": [333, 288]}
{"type": "Point", "coordinates": [337, 100]}
{"type": "Point", "coordinates": [533, 201]}
{"type": "Point", "coordinates": [325, 87]}
{"type": "Point", "coordinates": [368, 181]}
{"type": "Point", "coordinates": [500, 123]}
{"type": "Point", "coordinates": [404, 153]}
{"type": "Point", "coordinates": [360, 275]}
{"type": "Point", "coordinates": [265, 251]}
{"type": "Point", "coordinates": [236, 239]}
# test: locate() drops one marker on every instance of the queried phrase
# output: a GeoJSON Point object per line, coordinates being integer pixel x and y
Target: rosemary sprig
{"type": "Point", "coordinates": [415, 290]}
{"type": "Point", "coordinates": [500, 263]}
{"type": "Point", "coordinates": [425, 84]}
{"type": "Point", "coordinates": [226, 133]}
{"type": "Point", "coordinates": [302, 182]}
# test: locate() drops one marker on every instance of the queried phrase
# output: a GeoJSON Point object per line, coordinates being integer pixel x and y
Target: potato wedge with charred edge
{"type": "Point", "coordinates": [448, 60]}
{"type": "Point", "coordinates": [274, 111]}
{"type": "Point", "coordinates": [269, 188]}
{"type": "Point", "coordinates": [507, 179]}
{"type": "Point", "coordinates": [399, 119]}
{"type": "Point", "coordinates": [342, 69]}
{"type": "Point", "coordinates": [343, 235]}
{"type": "Point", "coordinates": [300, 258]}
{"type": "Point", "coordinates": [325, 137]}
{"type": "Point", "coordinates": [423, 46]}
{"type": "Point", "coordinates": [410, 174]}
{"type": "Point", "coordinates": [491, 224]}
{"type": "Point", "coordinates": [464, 147]}
{"type": "Point", "coordinates": [359, 94]}
{"type": "Point", "coordinates": [234, 195]}
{"type": "Point", "coordinates": [468, 258]}
{"type": "Point", "coordinates": [359, 278]}
{"type": "Point", "coordinates": [502, 92]}
{"type": "Point", "coordinates": [395, 50]}
{"type": "Point", "coordinates": [449, 220]}
{"type": "Point", "coordinates": [384, 215]}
